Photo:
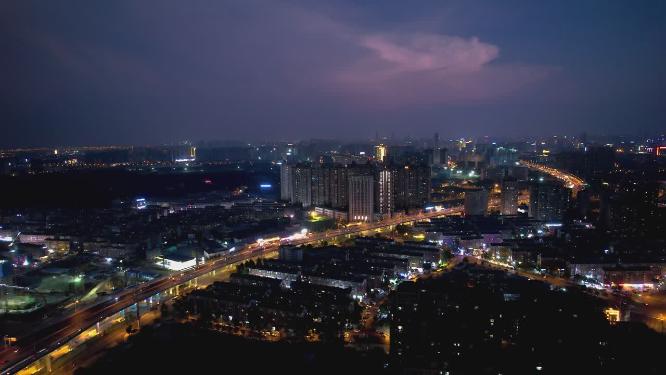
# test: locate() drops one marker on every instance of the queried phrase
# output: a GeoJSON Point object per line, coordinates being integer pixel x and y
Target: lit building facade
{"type": "Point", "coordinates": [361, 201]}
{"type": "Point", "coordinates": [393, 188]}
{"type": "Point", "coordinates": [302, 188]}
{"type": "Point", "coordinates": [381, 151]}
{"type": "Point", "coordinates": [412, 187]}
{"type": "Point", "coordinates": [385, 192]}
{"type": "Point", "coordinates": [286, 181]}
{"type": "Point", "coordinates": [509, 197]}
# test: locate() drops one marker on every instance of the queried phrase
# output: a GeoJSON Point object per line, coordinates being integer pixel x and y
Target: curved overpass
{"type": "Point", "coordinates": [569, 180]}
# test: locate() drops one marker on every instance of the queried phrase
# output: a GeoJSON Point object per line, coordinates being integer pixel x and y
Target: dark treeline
{"type": "Point", "coordinates": [98, 189]}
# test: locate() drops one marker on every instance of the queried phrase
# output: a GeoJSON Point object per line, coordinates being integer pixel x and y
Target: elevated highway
{"type": "Point", "coordinates": [569, 180]}
{"type": "Point", "coordinates": [43, 340]}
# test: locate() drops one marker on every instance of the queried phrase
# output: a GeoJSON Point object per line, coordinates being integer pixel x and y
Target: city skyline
{"type": "Point", "coordinates": [324, 242]}
{"type": "Point", "coordinates": [154, 73]}
{"type": "Point", "coordinates": [332, 187]}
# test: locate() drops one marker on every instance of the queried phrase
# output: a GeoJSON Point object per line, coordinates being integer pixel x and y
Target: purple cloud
{"type": "Point", "coordinates": [231, 67]}
{"type": "Point", "coordinates": [406, 69]}
{"type": "Point", "coordinates": [311, 51]}
{"type": "Point", "coordinates": [430, 52]}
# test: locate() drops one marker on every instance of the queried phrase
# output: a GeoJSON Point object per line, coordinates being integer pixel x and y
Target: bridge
{"type": "Point", "coordinates": [38, 344]}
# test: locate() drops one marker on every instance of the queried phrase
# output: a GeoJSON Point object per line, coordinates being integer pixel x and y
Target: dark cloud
{"type": "Point", "coordinates": [79, 72]}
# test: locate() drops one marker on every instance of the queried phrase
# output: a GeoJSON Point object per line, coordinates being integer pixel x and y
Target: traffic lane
{"type": "Point", "coordinates": [61, 330]}
{"type": "Point", "coordinates": [55, 334]}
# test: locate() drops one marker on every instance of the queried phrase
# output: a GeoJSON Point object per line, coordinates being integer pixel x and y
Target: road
{"type": "Point", "coordinates": [91, 350]}
{"type": "Point", "coordinates": [569, 180]}
{"type": "Point", "coordinates": [43, 340]}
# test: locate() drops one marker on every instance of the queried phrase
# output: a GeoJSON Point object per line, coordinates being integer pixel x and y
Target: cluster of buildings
{"type": "Point", "coordinates": [152, 235]}
{"type": "Point", "coordinates": [310, 289]}
{"type": "Point", "coordinates": [637, 272]}
{"type": "Point", "coordinates": [468, 234]}
{"type": "Point", "coordinates": [371, 264]}
{"type": "Point", "coordinates": [575, 250]}
{"type": "Point", "coordinates": [354, 192]}
{"type": "Point", "coordinates": [479, 320]}
{"type": "Point", "coordinates": [564, 251]}
{"type": "Point", "coordinates": [260, 307]}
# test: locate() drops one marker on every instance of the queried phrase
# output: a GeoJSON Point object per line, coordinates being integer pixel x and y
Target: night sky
{"type": "Point", "coordinates": [159, 71]}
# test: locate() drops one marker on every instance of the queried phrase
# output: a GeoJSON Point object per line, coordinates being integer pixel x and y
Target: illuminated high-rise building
{"type": "Point", "coordinates": [302, 188]}
{"type": "Point", "coordinates": [381, 152]}
{"type": "Point", "coordinates": [385, 192]}
{"type": "Point", "coordinates": [286, 181]}
{"type": "Point", "coordinates": [394, 188]}
{"type": "Point", "coordinates": [411, 187]}
{"type": "Point", "coordinates": [361, 200]}
{"type": "Point", "coordinates": [193, 152]}
{"type": "Point", "coordinates": [321, 185]}
{"type": "Point", "coordinates": [339, 187]}
{"type": "Point", "coordinates": [509, 197]}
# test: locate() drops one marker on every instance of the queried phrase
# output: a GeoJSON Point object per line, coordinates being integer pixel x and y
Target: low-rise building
{"type": "Point", "coordinates": [176, 262]}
